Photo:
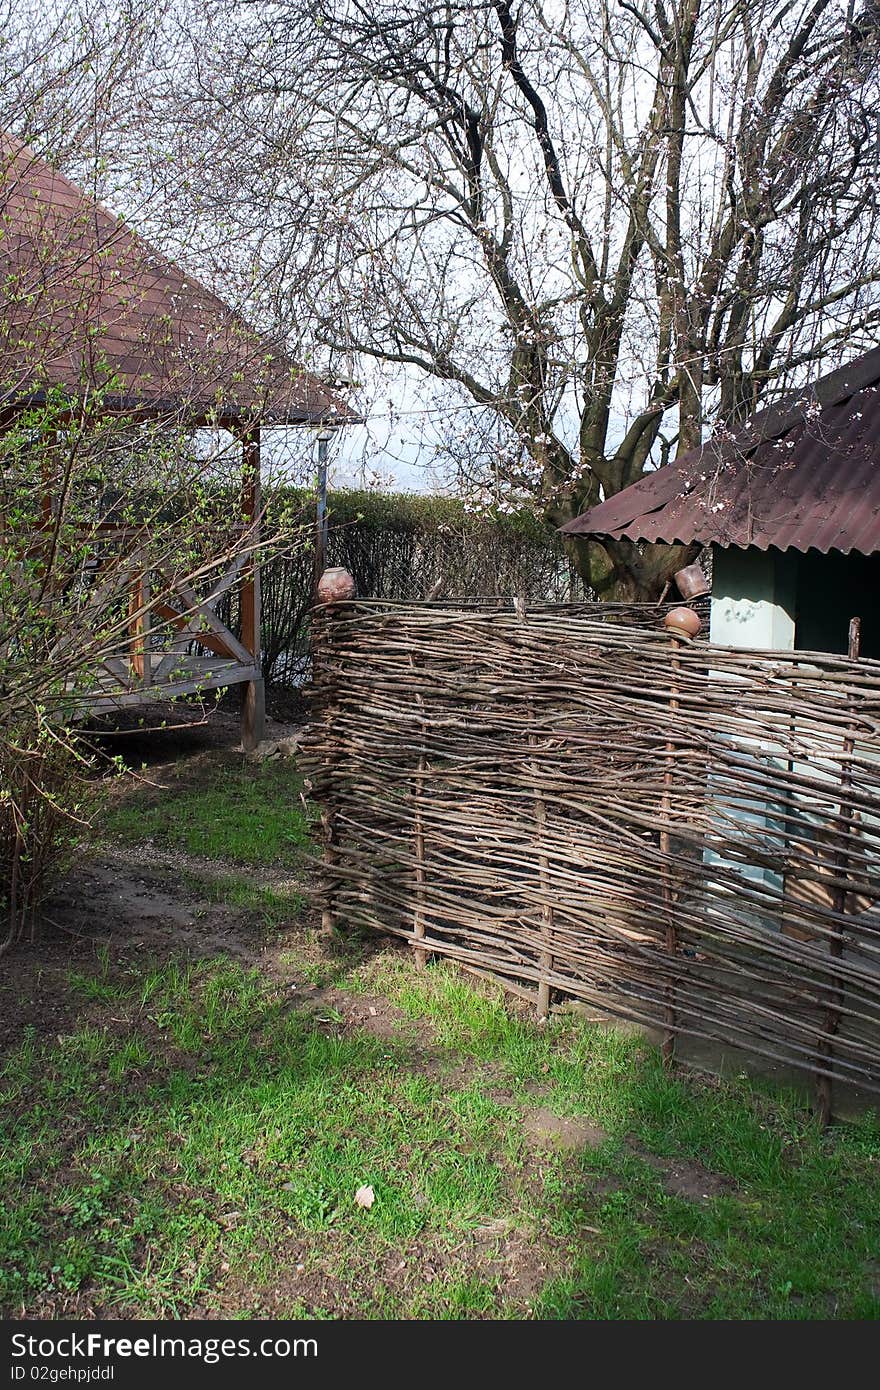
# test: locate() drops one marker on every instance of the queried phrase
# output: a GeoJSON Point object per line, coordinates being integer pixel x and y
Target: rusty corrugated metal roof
{"type": "Point", "coordinates": [83, 295]}
{"type": "Point", "coordinates": [804, 475]}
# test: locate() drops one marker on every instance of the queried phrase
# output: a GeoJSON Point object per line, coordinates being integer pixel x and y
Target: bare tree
{"type": "Point", "coordinates": [64, 65]}
{"type": "Point", "coordinates": [607, 226]}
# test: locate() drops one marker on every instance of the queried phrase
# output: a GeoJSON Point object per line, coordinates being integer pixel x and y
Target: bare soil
{"type": "Point", "coordinates": [543, 1129]}
{"type": "Point", "coordinates": [133, 902]}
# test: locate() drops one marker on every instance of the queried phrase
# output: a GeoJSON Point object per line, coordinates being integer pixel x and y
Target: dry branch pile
{"type": "Point", "coordinates": [681, 834]}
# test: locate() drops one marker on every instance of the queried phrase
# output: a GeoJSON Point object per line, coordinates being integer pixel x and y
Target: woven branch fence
{"type": "Point", "coordinates": [397, 547]}
{"type": "Point", "coordinates": [576, 804]}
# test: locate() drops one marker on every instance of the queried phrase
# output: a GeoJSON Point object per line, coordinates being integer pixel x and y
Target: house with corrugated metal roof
{"type": "Point", "coordinates": [790, 508]}
{"type": "Point", "coordinates": [89, 308]}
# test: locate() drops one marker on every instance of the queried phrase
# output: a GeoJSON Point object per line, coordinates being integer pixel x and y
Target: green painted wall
{"type": "Point", "coordinates": [784, 601]}
{"type": "Point", "coordinates": [753, 598]}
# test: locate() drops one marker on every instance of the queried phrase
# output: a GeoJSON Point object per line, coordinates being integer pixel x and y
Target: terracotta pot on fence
{"type": "Point", "coordinates": [336, 585]}
{"type": "Point", "coordinates": [682, 622]}
{"type": "Point", "coordinates": [691, 582]}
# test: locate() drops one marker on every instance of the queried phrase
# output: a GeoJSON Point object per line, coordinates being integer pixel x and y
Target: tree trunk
{"type": "Point", "coordinates": [627, 572]}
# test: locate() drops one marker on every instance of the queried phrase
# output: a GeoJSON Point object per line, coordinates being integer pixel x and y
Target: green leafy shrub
{"type": "Point", "coordinates": [113, 530]}
{"type": "Point", "coordinates": [44, 801]}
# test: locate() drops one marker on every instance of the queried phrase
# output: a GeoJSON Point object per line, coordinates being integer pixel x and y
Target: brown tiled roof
{"type": "Point", "coordinates": [802, 475]}
{"type": "Point", "coordinates": [83, 296]}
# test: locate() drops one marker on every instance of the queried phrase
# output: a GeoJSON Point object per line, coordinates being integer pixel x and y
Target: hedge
{"type": "Point", "coordinates": [400, 546]}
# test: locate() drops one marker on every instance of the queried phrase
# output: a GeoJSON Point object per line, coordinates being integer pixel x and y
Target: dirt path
{"type": "Point", "coordinates": [140, 901]}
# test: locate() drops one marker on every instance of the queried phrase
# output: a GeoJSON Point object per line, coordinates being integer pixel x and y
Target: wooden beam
{"type": "Point", "coordinates": [199, 623]}
{"type": "Point", "coordinates": [253, 714]}
{"type": "Point", "coordinates": [139, 620]}
{"type": "Point", "coordinates": [253, 709]}
{"type": "Point", "coordinates": [215, 676]}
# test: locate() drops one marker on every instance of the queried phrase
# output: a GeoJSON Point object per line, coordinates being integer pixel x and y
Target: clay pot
{"type": "Point", "coordinates": [691, 582]}
{"type": "Point", "coordinates": [336, 585]}
{"type": "Point", "coordinates": [682, 622]}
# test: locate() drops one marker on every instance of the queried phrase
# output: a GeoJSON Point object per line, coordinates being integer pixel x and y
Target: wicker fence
{"type": "Point", "coordinates": [567, 799]}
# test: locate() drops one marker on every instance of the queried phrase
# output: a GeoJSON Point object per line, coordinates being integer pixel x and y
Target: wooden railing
{"type": "Point", "coordinates": [154, 631]}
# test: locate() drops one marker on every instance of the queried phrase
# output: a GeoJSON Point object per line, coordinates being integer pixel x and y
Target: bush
{"type": "Point", "coordinates": [43, 794]}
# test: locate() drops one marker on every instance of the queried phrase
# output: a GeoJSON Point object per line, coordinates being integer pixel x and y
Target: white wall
{"type": "Point", "coordinates": [753, 598]}
{"type": "Point", "coordinates": [753, 606]}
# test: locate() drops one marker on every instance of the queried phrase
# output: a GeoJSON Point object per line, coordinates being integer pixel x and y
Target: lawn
{"type": "Point", "coordinates": [189, 1137]}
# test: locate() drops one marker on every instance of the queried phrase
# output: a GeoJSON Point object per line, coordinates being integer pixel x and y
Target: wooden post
{"type": "Point", "coordinates": [545, 959]}
{"type": "Point", "coordinates": [824, 1084]}
{"type": "Point", "coordinates": [671, 938]}
{"type": "Point", "coordinates": [323, 658]}
{"type": "Point", "coordinates": [421, 880]}
{"type": "Point", "coordinates": [328, 859]}
{"type": "Point", "coordinates": [139, 623]}
{"type": "Point", "coordinates": [545, 962]}
{"type": "Point", "coordinates": [253, 710]}
{"type": "Point", "coordinates": [421, 955]}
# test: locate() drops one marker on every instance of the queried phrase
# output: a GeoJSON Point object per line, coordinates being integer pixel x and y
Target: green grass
{"type": "Point", "coordinates": [194, 1142]}
{"type": "Point", "coordinates": [220, 1135]}
{"type": "Point", "coordinates": [272, 905]}
{"type": "Point", "coordinates": [247, 814]}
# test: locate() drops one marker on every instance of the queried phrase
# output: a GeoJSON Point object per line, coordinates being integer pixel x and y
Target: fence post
{"type": "Point", "coordinates": [666, 850]}
{"type": "Point", "coordinates": [335, 591]}
{"type": "Point", "coordinates": [545, 958]}
{"type": "Point", "coordinates": [421, 955]}
{"type": "Point", "coordinates": [545, 962]}
{"type": "Point", "coordinates": [139, 620]}
{"type": "Point", "coordinates": [328, 808]}
{"type": "Point", "coordinates": [253, 707]}
{"type": "Point", "coordinates": [824, 1083]}
{"type": "Point", "coordinates": [679, 622]}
